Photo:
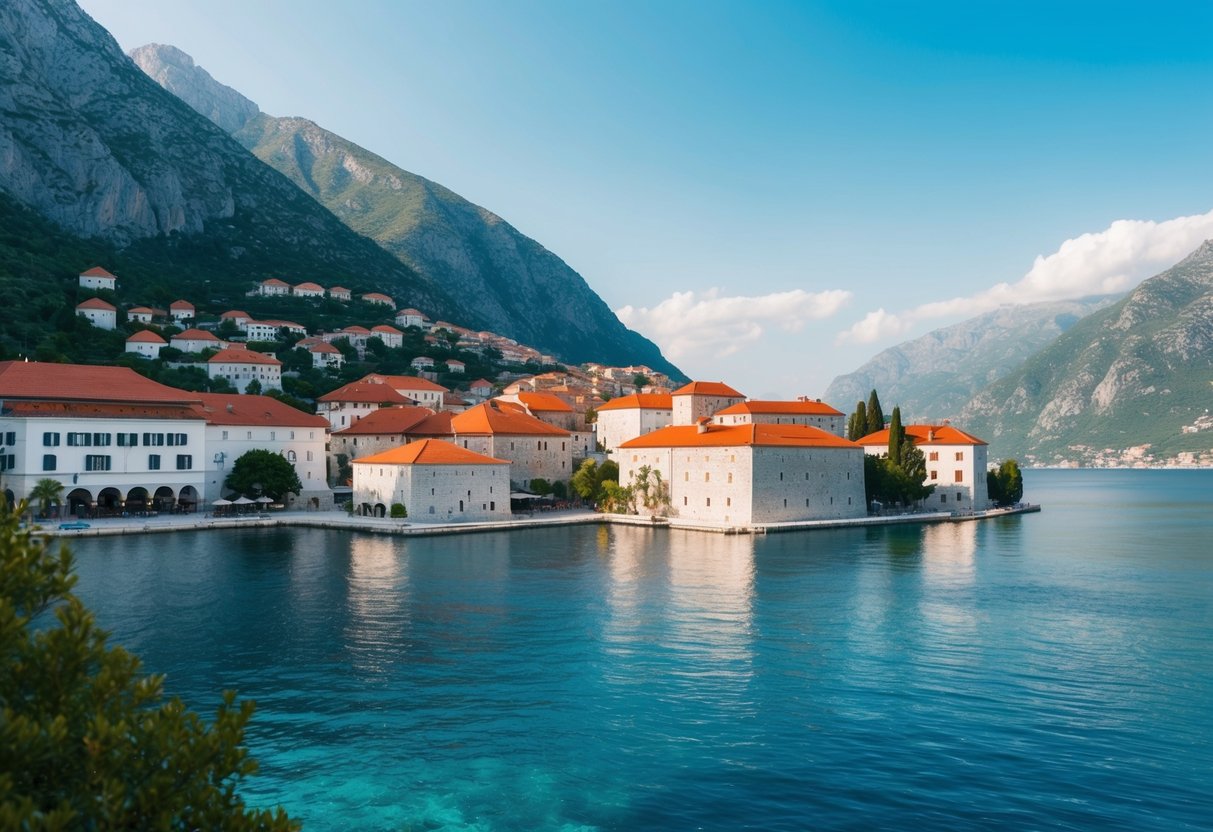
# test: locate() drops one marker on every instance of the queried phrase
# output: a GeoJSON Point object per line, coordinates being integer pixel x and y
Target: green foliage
{"type": "Point", "coordinates": [86, 740]}
{"type": "Point", "coordinates": [614, 498]}
{"type": "Point", "coordinates": [1005, 483]}
{"type": "Point", "coordinates": [47, 492]}
{"type": "Point", "coordinates": [290, 401]}
{"type": "Point", "coordinates": [857, 424]}
{"type": "Point", "coordinates": [897, 435]}
{"type": "Point", "coordinates": [398, 511]}
{"type": "Point", "coordinates": [560, 490]}
{"type": "Point", "coordinates": [253, 388]}
{"type": "Point", "coordinates": [541, 486]}
{"type": "Point", "coordinates": [875, 415]}
{"type": "Point", "coordinates": [585, 480]}
{"type": "Point", "coordinates": [259, 472]}
{"type": "Point", "coordinates": [648, 488]}
{"type": "Point", "coordinates": [888, 483]}
{"type": "Point", "coordinates": [640, 380]}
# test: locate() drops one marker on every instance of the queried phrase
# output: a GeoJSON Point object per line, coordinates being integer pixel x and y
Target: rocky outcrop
{"type": "Point", "coordinates": [174, 70]}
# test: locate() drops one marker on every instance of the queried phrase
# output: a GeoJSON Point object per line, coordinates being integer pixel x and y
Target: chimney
{"type": "Point", "coordinates": [230, 407]}
{"type": "Point", "coordinates": [702, 425]}
{"type": "Point", "coordinates": [931, 435]}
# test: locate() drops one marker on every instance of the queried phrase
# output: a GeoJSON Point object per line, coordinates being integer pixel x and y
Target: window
{"type": "Point", "coordinates": [960, 476]}
{"type": "Point", "coordinates": [309, 456]}
{"type": "Point", "coordinates": [959, 496]}
{"type": "Point", "coordinates": [960, 455]}
{"type": "Point", "coordinates": [96, 462]}
{"type": "Point", "coordinates": [708, 501]}
{"type": "Point", "coordinates": [153, 462]}
{"type": "Point", "coordinates": [128, 440]}
{"type": "Point", "coordinates": [273, 435]}
{"type": "Point", "coordinates": [10, 438]}
{"type": "Point", "coordinates": [8, 462]}
{"type": "Point", "coordinates": [730, 476]}
{"type": "Point", "coordinates": [943, 498]}
{"type": "Point", "coordinates": [185, 462]}
{"type": "Point", "coordinates": [934, 475]}
{"type": "Point", "coordinates": [102, 439]}
{"type": "Point", "coordinates": [933, 456]}
{"type": "Point", "coordinates": [153, 439]}
{"type": "Point", "coordinates": [686, 476]}
{"type": "Point", "coordinates": [224, 436]}
{"type": "Point", "coordinates": [707, 477]}
{"type": "Point", "coordinates": [80, 440]}
{"type": "Point", "coordinates": [49, 462]}
{"type": "Point", "coordinates": [50, 440]}
{"type": "Point", "coordinates": [290, 456]}
{"type": "Point", "coordinates": [806, 502]}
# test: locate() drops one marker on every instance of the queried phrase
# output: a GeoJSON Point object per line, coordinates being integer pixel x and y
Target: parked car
{"type": "Point", "coordinates": [75, 524]}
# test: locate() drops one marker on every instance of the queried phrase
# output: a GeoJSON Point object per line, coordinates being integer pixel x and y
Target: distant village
{"type": "Point", "coordinates": [117, 442]}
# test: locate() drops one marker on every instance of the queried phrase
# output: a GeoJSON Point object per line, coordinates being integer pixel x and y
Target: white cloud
{"type": "Point", "coordinates": [1113, 260]}
{"type": "Point", "coordinates": [687, 323]}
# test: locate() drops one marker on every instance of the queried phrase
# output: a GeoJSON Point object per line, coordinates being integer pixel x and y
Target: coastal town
{"type": "Point", "coordinates": [114, 443]}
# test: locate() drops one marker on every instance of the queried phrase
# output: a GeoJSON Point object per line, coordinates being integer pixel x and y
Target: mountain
{"type": "Point", "coordinates": [92, 144]}
{"type": "Point", "coordinates": [1129, 384]}
{"type": "Point", "coordinates": [505, 281]}
{"type": "Point", "coordinates": [934, 376]}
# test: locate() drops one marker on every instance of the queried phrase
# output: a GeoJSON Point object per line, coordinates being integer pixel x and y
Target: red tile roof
{"type": "Point", "coordinates": [429, 452]}
{"type": "Point", "coordinates": [391, 330]}
{"type": "Point", "coordinates": [140, 310]}
{"type": "Point", "coordinates": [273, 281]}
{"type": "Point", "coordinates": [795, 408]}
{"type": "Point", "coordinates": [357, 330]}
{"type": "Point", "coordinates": [406, 382]}
{"type": "Point", "coordinates": [321, 346]}
{"type": "Point", "coordinates": [96, 303]}
{"type": "Point", "coordinates": [708, 388]}
{"type": "Point", "coordinates": [338, 289]}
{"type": "Point", "coordinates": [96, 271]}
{"type": "Point", "coordinates": [310, 287]}
{"type": "Point", "coordinates": [489, 419]}
{"type": "Point", "coordinates": [181, 304]}
{"type": "Point", "coordinates": [925, 435]}
{"type": "Point", "coordinates": [717, 436]}
{"type": "Point", "coordinates": [75, 382]}
{"type": "Point", "coordinates": [375, 296]}
{"type": "Point", "coordinates": [641, 401]}
{"type": "Point", "coordinates": [145, 336]}
{"type": "Point", "coordinates": [243, 409]}
{"type": "Point", "coordinates": [544, 402]}
{"type": "Point", "coordinates": [242, 356]}
{"type": "Point", "coordinates": [100, 410]}
{"type": "Point", "coordinates": [196, 335]}
{"type": "Point", "coordinates": [233, 313]}
{"type": "Point", "coordinates": [365, 392]}
{"type": "Point", "coordinates": [437, 425]}
{"type": "Point", "coordinates": [410, 311]}
{"type": "Point", "coordinates": [385, 420]}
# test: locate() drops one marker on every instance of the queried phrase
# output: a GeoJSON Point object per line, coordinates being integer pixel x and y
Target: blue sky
{"type": "Point", "coordinates": [771, 191]}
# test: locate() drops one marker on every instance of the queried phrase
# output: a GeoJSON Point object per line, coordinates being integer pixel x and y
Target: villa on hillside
{"type": "Point", "coordinates": [140, 314]}
{"type": "Point", "coordinates": [410, 317]}
{"type": "Point", "coordinates": [380, 298]}
{"type": "Point", "coordinates": [272, 287]}
{"type": "Point", "coordinates": [351, 402]}
{"type": "Point", "coordinates": [181, 310]}
{"type": "Point", "coordinates": [99, 313]}
{"type": "Point", "coordinates": [98, 278]}
{"type": "Point", "coordinates": [307, 290]}
{"type": "Point", "coordinates": [340, 293]}
{"type": "Point", "coordinates": [196, 340]}
{"type": "Point", "coordinates": [386, 428]}
{"type": "Point", "coordinates": [422, 391]}
{"type": "Point", "coordinates": [240, 319]}
{"type": "Point", "coordinates": [243, 366]}
{"type": "Point", "coordinates": [146, 343]}
{"type": "Point", "coordinates": [956, 464]}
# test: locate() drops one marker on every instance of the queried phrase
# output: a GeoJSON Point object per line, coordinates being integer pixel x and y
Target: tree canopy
{"type": "Point", "coordinates": [86, 740]}
{"type": "Point", "coordinates": [259, 472]}
{"type": "Point", "coordinates": [1005, 483]}
{"type": "Point", "coordinates": [875, 415]}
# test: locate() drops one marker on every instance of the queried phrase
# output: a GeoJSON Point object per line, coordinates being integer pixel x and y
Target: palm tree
{"type": "Point", "coordinates": [47, 491]}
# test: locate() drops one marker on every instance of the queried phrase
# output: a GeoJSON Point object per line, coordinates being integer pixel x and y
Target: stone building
{"type": "Point", "coordinates": [956, 464]}
{"type": "Point", "coordinates": [434, 481]}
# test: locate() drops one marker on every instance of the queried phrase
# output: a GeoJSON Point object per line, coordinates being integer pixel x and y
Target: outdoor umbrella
{"type": "Point", "coordinates": [264, 500]}
{"type": "Point", "coordinates": [222, 502]}
{"type": "Point", "coordinates": [242, 501]}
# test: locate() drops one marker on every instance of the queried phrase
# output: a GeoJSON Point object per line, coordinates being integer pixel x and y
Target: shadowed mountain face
{"type": "Point", "coordinates": [91, 143]}
{"type": "Point", "coordinates": [933, 377]}
{"type": "Point", "coordinates": [1137, 373]}
{"type": "Point", "coordinates": [503, 280]}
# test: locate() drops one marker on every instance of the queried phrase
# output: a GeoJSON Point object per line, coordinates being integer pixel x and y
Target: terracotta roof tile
{"type": "Point", "coordinates": [75, 382]}
{"type": "Point", "coordinates": [255, 410]}
{"type": "Point", "coordinates": [925, 435]}
{"type": "Point", "coordinates": [96, 271]}
{"type": "Point", "coordinates": [430, 452]}
{"type": "Point", "coordinates": [196, 335]}
{"type": "Point", "coordinates": [181, 304]}
{"type": "Point", "coordinates": [717, 436]}
{"type": "Point", "coordinates": [708, 388]}
{"type": "Point", "coordinates": [242, 356]}
{"type": "Point", "coordinates": [273, 281]}
{"type": "Point", "coordinates": [362, 391]}
{"type": "Point", "coordinates": [140, 310]}
{"type": "Point", "coordinates": [544, 402]}
{"type": "Point", "coordinates": [385, 420]}
{"type": "Point", "coordinates": [145, 336]}
{"type": "Point", "coordinates": [96, 303]}
{"type": "Point", "coordinates": [233, 313]}
{"type": "Point", "coordinates": [405, 382]}
{"type": "Point", "coordinates": [310, 287]}
{"type": "Point", "coordinates": [487, 418]}
{"type": "Point", "coordinates": [642, 401]}
{"type": "Point", "coordinates": [795, 408]}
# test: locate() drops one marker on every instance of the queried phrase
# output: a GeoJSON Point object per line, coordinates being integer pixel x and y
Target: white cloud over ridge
{"type": "Point", "coordinates": [1099, 263]}
{"type": "Point", "coordinates": [689, 323]}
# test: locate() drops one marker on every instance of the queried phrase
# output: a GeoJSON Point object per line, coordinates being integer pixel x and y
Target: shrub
{"type": "Point", "coordinates": [398, 511]}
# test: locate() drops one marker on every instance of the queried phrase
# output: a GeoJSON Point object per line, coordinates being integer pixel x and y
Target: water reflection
{"type": "Point", "coordinates": [949, 552]}
{"type": "Point", "coordinates": [378, 602]}
{"type": "Point", "coordinates": [949, 571]}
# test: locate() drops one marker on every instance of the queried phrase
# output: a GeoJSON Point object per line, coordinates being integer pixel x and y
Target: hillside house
{"type": "Point", "coordinates": [272, 288]}
{"type": "Point", "coordinates": [99, 313]}
{"type": "Point", "coordinates": [347, 404]}
{"type": "Point", "coordinates": [146, 343]}
{"type": "Point", "coordinates": [628, 417]}
{"type": "Point", "coordinates": [380, 298]}
{"type": "Point", "coordinates": [307, 290]}
{"type": "Point", "coordinates": [196, 340]}
{"type": "Point", "coordinates": [98, 278]}
{"type": "Point", "coordinates": [243, 366]}
{"type": "Point", "coordinates": [181, 310]}
{"type": "Point", "coordinates": [140, 314]}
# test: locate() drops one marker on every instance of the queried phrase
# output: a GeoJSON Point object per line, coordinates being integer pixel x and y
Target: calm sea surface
{"type": "Point", "coordinates": [1051, 671]}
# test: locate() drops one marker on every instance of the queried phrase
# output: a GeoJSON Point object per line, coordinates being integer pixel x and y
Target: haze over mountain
{"type": "Point", "coordinates": [503, 280]}
{"type": "Point", "coordinates": [1137, 373]}
{"type": "Point", "coordinates": [933, 377]}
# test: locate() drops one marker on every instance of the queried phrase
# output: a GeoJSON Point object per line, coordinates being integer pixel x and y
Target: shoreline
{"type": "Point", "coordinates": [404, 528]}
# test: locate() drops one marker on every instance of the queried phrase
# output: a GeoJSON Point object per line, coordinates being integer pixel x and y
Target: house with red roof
{"type": "Point", "coordinates": [534, 448]}
{"type": "Point", "coordinates": [356, 400]}
{"type": "Point", "coordinates": [181, 310]}
{"type": "Point", "coordinates": [802, 411]}
{"type": "Point", "coordinates": [481, 388]}
{"type": "Point", "coordinates": [100, 314]}
{"type": "Point", "coordinates": [140, 314]}
{"type": "Point", "coordinates": [236, 316]}
{"type": "Point", "coordinates": [421, 390]}
{"type": "Point", "coordinates": [411, 317]}
{"type": "Point", "coordinates": [324, 355]}
{"type": "Point", "coordinates": [340, 293]}
{"type": "Point", "coordinates": [272, 288]}
{"type": "Point", "coordinates": [746, 474]}
{"type": "Point", "coordinates": [422, 362]}
{"type": "Point", "coordinates": [196, 340]}
{"type": "Point", "coordinates": [386, 428]}
{"type": "Point", "coordinates": [242, 366]}
{"type": "Point", "coordinates": [454, 365]}
{"type": "Point", "coordinates": [698, 399]}
{"type": "Point", "coordinates": [435, 481]}
{"type": "Point", "coordinates": [146, 343]}
{"type": "Point", "coordinates": [307, 290]}
{"type": "Point", "coordinates": [389, 335]}
{"type": "Point", "coordinates": [956, 464]}
{"type": "Point", "coordinates": [627, 417]}
{"type": "Point", "coordinates": [380, 298]}
{"type": "Point", "coordinates": [271, 329]}
{"type": "Point", "coordinates": [98, 278]}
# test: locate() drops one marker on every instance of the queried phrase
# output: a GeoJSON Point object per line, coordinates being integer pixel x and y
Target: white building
{"type": "Point", "coordinates": [380, 298]}
{"type": "Point", "coordinates": [99, 313]}
{"type": "Point", "coordinates": [454, 365]}
{"type": "Point", "coordinates": [420, 390]}
{"type": "Point", "coordinates": [269, 330]}
{"type": "Point", "coordinates": [628, 417]}
{"type": "Point", "coordinates": [273, 287]}
{"type": "Point", "coordinates": [237, 424]}
{"type": "Point", "coordinates": [434, 481]}
{"type": "Point", "coordinates": [116, 441]}
{"type": "Point", "coordinates": [422, 362]}
{"type": "Point", "coordinates": [308, 290]}
{"type": "Point", "coordinates": [242, 366]}
{"type": "Point", "coordinates": [700, 399]}
{"type": "Point", "coordinates": [535, 449]}
{"type": "Point", "coordinates": [339, 293]}
{"type": "Point", "coordinates": [98, 278]}
{"type": "Point", "coordinates": [196, 340]}
{"type": "Point", "coordinates": [802, 411]}
{"type": "Point", "coordinates": [389, 335]}
{"type": "Point", "coordinates": [351, 402]}
{"type": "Point", "coordinates": [140, 314]}
{"type": "Point", "coordinates": [239, 318]}
{"type": "Point", "coordinates": [384, 429]}
{"type": "Point", "coordinates": [181, 310]}
{"type": "Point", "coordinates": [746, 474]}
{"type": "Point", "coordinates": [956, 464]}
{"type": "Point", "coordinates": [325, 355]}
{"type": "Point", "coordinates": [146, 343]}
{"type": "Point", "coordinates": [410, 317]}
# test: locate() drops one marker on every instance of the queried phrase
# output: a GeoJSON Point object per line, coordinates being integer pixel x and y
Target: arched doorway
{"type": "Point", "coordinates": [137, 500]}
{"type": "Point", "coordinates": [163, 500]}
{"type": "Point", "coordinates": [380, 510]}
{"type": "Point", "coordinates": [364, 509]}
{"type": "Point", "coordinates": [188, 499]}
{"type": "Point", "coordinates": [80, 502]}
{"type": "Point", "coordinates": [109, 501]}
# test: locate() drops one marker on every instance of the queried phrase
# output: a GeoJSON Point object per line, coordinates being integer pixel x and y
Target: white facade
{"type": "Point", "coordinates": [530, 457]}
{"type": "Point", "coordinates": [241, 372]}
{"type": "Point", "coordinates": [273, 287]}
{"type": "Point", "coordinates": [98, 278]}
{"type": "Point", "coordinates": [148, 346]}
{"type": "Point", "coordinates": [616, 426]}
{"type": "Point", "coordinates": [196, 341]}
{"type": "Point", "coordinates": [455, 366]}
{"type": "Point", "coordinates": [690, 407]}
{"type": "Point", "coordinates": [268, 330]}
{"type": "Point", "coordinates": [389, 335]}
{"type": "Point", "coordinates": [182, 311]}
{"type": "Point", "coordinates": [140, 315]}
{"type": "Point", "coordinates": [422, 362]}
{"type": "Point", "coordinates": [956, 465]}
{"type": "Point", "coordinates": [308, 290]}
{"type": "Point", "coordinates": [410, 317]}
{"type": "Point", "coordinates": [783, 413]}
{"type": "Point", "coordinates": [100, 314]}
{"type": "Point", "coordinates": [303, 447]}
{"type": "Point", "coordinates": [325, 355]}
{"type": "Point", "coordinates": [437, 493]}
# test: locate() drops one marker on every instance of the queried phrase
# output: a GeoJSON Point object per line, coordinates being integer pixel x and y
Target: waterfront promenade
{"type": "Point", "coordinates": [570, 517]}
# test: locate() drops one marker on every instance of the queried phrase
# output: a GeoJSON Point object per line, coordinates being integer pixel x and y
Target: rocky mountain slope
{"type": "Point", "coordinates": [1130, 383]}
{"type": "Point", "coordinates": [933, 377]}
{"type": "Point", "coordinates": [505, 281]}
{"type": "Point", "coordinates": [91, 143]}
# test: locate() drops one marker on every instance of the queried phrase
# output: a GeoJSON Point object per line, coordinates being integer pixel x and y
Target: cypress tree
{"type": "Point", "coordinates": [875, 413]}
{"type": "Point", "coordinates": [859, 423]}
{"type": "Point", "coordinates": [896, 434]}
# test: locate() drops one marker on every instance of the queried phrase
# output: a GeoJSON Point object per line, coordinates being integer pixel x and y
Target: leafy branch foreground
{"type": "Point", "coordinates": [86, 740]}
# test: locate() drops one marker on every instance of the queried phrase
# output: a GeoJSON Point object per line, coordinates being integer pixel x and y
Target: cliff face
{"type": "Point", "coordinates": [934, 377]}
{"type": "Point", "coordinates": [504, 280]}
{"type": "Point", "coordinates": [1136, 375]}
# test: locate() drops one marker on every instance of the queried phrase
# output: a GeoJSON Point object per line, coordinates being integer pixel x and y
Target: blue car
{"type": "Point", "coordinates": [75, 524]}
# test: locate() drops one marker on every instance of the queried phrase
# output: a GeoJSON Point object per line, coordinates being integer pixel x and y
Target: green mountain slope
{"type": "Point", "coordinates": [504, 280]}
{"type": "Point", "coordinates": [1118, 387]}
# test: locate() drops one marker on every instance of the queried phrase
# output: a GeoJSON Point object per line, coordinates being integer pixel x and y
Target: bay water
{"type": "Point", "coordinates": [1046, 671]}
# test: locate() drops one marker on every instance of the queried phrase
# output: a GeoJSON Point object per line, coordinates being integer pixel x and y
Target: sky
{"type": "Point", "coordinates": [773, 192]}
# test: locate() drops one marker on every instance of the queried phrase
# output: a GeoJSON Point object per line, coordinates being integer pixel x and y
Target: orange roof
{"type": "Point", "coordinates": [243, 409]}
{"type": "Point", "coordinates": [718, 436]}
{"type": "Point", "coordinates": [310, 287]}
{"type": "Point", "coordinates": [338, 289]}
{"type": "Point", "coordinates": [796, 408]}
{"type": "Point", "coordinates": [96, 303]}
{"type": "Point", "coordinates": [925, 435]}
{"type": "Point", "coordinates": [145, 336]}
{"type": "Point", "coordinates": [357, 330]}
{"type": "Point", "coordinates": [273, 281]}
{"type": "Point", "coordinates": [375, 296]}
{"type": "Point", "coordinates": [708, 388]}
{"type": "Point", "coordinates": [406, 382]}
{"type": "Point", "coordinates": [641, 401]}
{"type": "Point", "coordinates": [452, 399]}
{"type": "Point", "coordinates": [96, 271]}
{"type": "Point", "coordinates": [196, 335]}
{"type": "Point", "coordinates": [391, 330]}
{"type": "Point", "coordinates": [278, 323]}
{"type": "Point", "coordinates": [480, 382]}
{"type": "Point", "coordinates": [75, 382]}
{"type": "Point", "coordinates": [387, 420]}
{"type": "Point", "coordinates": [451, 362]}
{"type": "Point", "coordinates": [410, 311]}
{"type": "Point", "coordinates": [140, 310]}
{"type": "Point", "coordinates": [233, 313]}
{"type": "Point", "coordinates": [488, 418]}
{"type": "Point", "coordinates": [429, 452]}
{"type": "Point", "coordinates": [181, 304]}
{"type": "Point", "coordinates": [242, 356]}
{"type": "Point", "coordinates": [100, 410]}
{"type": "Point", "coordinates": [544, 402]}
{"type": "Point", "coordinates": [322, 346]}
{"type": "Point", "coordinates": [365, 392]}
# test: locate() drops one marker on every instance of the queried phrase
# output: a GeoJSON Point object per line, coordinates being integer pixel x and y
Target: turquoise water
{"type": "Point", "coordinates": [1044, 671]}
